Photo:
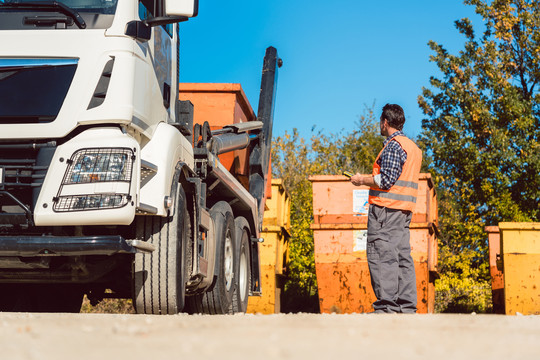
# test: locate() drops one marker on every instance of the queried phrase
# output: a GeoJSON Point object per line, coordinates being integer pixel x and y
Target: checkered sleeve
{"type": "Point", "coordinates": [392, 159]}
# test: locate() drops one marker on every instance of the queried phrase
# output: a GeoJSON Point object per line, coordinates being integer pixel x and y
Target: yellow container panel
{"type": "Point", "coordinates": [522, 284]}
{"type": "Point", "coordinates": [271, 285]}
{"type": "Point", "coordinates": [273, 252]}
{"type": "Point", "coordinates": [278, 207]}
{"type": "Point", "coordinates": [269, 248]}
{"type": "Point", "coordinates": [520, 247]}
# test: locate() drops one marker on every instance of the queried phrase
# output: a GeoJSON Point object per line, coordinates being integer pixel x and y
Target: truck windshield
{"type": "Point", "coordinates": [56, 14]}
{"type": "Point", "coordinates": [89, 6]}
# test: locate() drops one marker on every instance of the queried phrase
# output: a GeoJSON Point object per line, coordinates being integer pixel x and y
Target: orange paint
{"type": "Point", "coordinates": [344, 283]}
{"type": "Point", "coordinates": [497, 277]}
{"type": "Point", "coordinates": [220, 105]}
{"type": "Point", "coordinates": [333, 203]}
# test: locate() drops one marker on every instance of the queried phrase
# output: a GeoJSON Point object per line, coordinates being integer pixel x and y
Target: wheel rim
{"type": "Point", "coordinates": [242, 283]}
{"type": "Point", "coordinates": [228, 261]}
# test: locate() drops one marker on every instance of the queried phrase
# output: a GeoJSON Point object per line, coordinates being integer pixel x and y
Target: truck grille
{"type": "Point", "coordinates": [18, 173]}
{"type": "Point", "coordinates": [23, 167]}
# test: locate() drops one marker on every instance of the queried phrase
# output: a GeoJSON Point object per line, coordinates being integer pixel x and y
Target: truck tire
{"type": "Point", "coordinates": [243, 266]}
{"type": "Point", "coordinates": [219, 299]}
{"type": "Point", "coordinates": [160, 277]}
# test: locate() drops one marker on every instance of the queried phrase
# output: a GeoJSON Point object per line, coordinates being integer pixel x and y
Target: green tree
{"type": "Point", "coordinates": [293, 160]}
{"type": "Point", "coordinates": [482, 132]}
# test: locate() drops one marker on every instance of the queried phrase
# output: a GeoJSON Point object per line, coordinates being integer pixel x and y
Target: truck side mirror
{"type": "Point", "coordinates": [186, 8]}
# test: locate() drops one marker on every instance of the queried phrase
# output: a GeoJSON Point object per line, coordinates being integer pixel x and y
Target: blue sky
{"type": "Point", "coordinates": [339, 56]}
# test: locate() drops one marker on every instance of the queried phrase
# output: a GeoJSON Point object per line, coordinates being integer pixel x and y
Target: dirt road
{"type": "Point", "coordinates": [301, 336]}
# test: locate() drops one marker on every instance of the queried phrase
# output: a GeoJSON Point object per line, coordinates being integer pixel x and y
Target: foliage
{"type": "Point", "coordinates": [108, 306]}
{"type": "Point", "coordinates": [464, 285]}
{"type": "Point", "coordinates": [293, 159]}
{"type": "Point", "coordinates": [482, 135]}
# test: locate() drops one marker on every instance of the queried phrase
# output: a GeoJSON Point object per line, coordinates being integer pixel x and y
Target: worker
{"type": "Point", "coordinates": [392, 199]}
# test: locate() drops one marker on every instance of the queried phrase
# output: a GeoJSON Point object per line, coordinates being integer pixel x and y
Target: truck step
{"type": "Point", "coordinates": [147, 170]}
{"type": "Point", "coordinates": [143, 246]}
{"type": "Point", "coordinates": [148, 166]}
{"type": "Point", "coordinates": [147, 209]}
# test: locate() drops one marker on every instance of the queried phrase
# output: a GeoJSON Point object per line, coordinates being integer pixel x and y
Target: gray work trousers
{"type": "Point", "coordinates": [390, 262]}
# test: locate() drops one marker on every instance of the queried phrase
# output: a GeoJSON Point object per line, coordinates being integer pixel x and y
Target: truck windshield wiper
{"type": "Point", "coordinates": [46, 6]}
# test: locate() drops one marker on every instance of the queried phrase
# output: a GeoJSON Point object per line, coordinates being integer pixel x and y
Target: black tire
{"type": "Point", "coordinates": [160, 277]}
{"type": "Point", "coordinates": [219, 299]}
{"type": "Point", "coordinates": [243, 266]}
{"type": "Point", "coordinates": [41, 298]}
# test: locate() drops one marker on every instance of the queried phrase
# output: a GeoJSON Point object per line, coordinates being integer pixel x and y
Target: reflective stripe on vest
{"type": "Point", "coordinates": [392, 196]}
{"type": "Point", "coordinates": [402, 195]}
{"type": "Point", "coordinates": [410, 184]}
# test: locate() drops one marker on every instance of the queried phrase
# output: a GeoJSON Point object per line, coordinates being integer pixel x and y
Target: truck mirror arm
{"type": "Point", "coordinates": [142, 30]}
{"type": "Point", "coordinates": [138, 30]}
{"type": "Point", "coordinates": [164, 20]}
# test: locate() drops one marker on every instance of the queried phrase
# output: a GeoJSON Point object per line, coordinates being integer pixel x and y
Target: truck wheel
{"type": "Point", "coordinates": [160, 277]}
{"type": "Point", "coordinates": [243, 267]}
{"type": "Point", "coordinates": [219, 299]}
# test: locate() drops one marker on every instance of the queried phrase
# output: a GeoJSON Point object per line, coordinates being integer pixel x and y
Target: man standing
{"type": "Point", "coordinates": [392, 198]}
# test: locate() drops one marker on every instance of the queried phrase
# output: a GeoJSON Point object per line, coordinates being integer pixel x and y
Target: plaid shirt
{"type": "Point", "coordinates": [391, 161]}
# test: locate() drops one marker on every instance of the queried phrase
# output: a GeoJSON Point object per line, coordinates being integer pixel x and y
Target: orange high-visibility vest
{"type": "Point", "coordinates": [402, 195]}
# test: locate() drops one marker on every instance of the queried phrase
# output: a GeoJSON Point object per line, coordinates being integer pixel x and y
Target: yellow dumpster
{"type": "Point", "coordinates": [520, 249]}
{"type": "Point", "coordinates": [273, 251]}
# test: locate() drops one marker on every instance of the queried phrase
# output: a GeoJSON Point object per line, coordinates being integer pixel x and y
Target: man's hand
{"type": "Point", "coordinates": [359, 180]}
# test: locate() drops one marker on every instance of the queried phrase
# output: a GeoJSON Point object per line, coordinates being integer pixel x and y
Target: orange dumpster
{"type": "Point", "coordinates": [273, 251]}
{"type": "Point", "coordinates": [340, 234]}
{"type": "Point", "coordinates": [495, 269]}
{"type": "Point", "coordinates": [220, 105]}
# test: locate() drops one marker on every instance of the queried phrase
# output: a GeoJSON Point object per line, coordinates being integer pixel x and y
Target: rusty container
{"type": "Point", "coordinates": [220, 105]}
{"type": "Point", "coordinates": [273, 251]}
{"type": "Point", "coordinates": [520, 253]}
{"type": "Point", "coordinates": [495, 269]}
{"type": "Point", "coordinates": [340, 234]}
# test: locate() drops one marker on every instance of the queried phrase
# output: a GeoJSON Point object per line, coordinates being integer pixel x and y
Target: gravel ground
{"type": "Point", "coordinates": [298, 336]}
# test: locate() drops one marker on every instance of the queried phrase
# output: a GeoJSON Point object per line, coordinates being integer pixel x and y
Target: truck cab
{"type": "Point", "coordinates": [103, 183]}
{"type": "Point", "coordinates": [76, 77]}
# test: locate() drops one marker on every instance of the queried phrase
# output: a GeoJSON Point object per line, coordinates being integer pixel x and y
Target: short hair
{"type": "Point", "coordinates": [394, 114]}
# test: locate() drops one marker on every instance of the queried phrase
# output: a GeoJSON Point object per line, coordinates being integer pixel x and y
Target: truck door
{"type": "Point", "coordinates": [161, 55]}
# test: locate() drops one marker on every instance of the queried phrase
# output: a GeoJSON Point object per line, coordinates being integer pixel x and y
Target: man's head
{"type": "Point", "coordinates": [392, 116]}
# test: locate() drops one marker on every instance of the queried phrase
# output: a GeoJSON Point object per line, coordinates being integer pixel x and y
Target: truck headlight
{"type": "Point", "coordinates": [99, 165]}
{"type": "Point", "coordinates": [90, 202]}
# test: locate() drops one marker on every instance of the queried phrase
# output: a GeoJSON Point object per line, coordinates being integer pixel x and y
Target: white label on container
{"type": "Point", "coordinates": [359, 240]}
{"type": "Point", "coordinates": [360, 201]}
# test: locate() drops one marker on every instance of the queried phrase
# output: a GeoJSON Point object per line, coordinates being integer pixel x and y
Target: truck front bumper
{"type": "Point", "coordinates": [30, 246]}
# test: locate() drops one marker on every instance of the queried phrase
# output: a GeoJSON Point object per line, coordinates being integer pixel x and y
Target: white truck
{"type": "Point", "coordinates": [106, 187]}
